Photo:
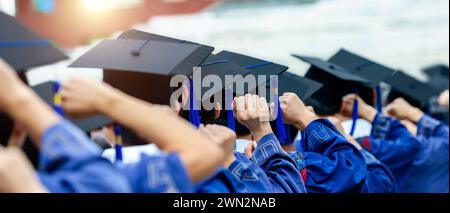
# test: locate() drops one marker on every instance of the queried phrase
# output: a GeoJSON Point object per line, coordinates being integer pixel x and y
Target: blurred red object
{"type": "Point", "coordinates": [72, 23]}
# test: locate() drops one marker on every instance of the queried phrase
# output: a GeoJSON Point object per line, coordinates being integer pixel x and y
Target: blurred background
{"type": "Point", "coordinates": [403, 34]}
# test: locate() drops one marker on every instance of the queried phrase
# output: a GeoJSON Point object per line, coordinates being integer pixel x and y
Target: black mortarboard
{"type": "Point", "coordinates": [303, 87]}
{"type": "Point", "coordinates": [362, 67]}
{"type": "Point", "coordinates": [412, 90]}
{"type": "Point", "coordinates": [337, 82]}
{"type": "Point", "coordinates": [256, 67]}
{"type": "Point", "coordinates": [437, 76]}
{"type": "Point", "coordinates": [23, 49]}
{"type": "Point", "coordinates": [142, 68]}
{"type": "Point", "coordinates": [252, 66]}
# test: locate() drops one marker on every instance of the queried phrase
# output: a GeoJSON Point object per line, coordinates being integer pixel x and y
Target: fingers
{"type": "Point", "coordinates": [250, 148]}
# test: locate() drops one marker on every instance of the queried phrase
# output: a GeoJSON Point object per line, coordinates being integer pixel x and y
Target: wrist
{"type": "Point", "coordinates": [20, 98]}
{"type": "Point", "coordinates": [261, 131]}
{"type": "Point", "coordinates": [230, 159]}
{"type": "Point", "coordinates": [369, 114]}
{"type": "Point", "coordinates": [415, 115]}
{"type": "Point", "coordinates": [107, 101]}
{"type": "Point", "coordinates": [304, 120]}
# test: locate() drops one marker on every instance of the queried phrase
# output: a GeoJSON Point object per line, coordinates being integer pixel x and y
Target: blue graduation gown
{"type": "Point", "coordinates": [379, 178]}
{"type": "Point", "coordinates": [280, 168]}
{"type": "Point", "coordinates": [223, 181]}
{"type": "Point", "coordinates": [391, 143]}
{"type": "Point", "coordinates": [332, 164]}
{"type": "Point", "coordinates": [164, 173]}
{"type": "Point", "coordinates": [250, 174]}
{"type": "Point", "coordinates": [430, 169]}
{"type": "Point", "coordinates": [70, 163]}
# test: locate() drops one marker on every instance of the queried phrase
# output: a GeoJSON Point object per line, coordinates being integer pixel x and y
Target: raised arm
{"type": "Point", "coordinates": [68, 161]}
{"type": "Point", "coordinates": [331, 160]}
{"type": "Point", "coordinates": [253, 112]}
{"type": "Point", "coordinates": [151, 122]}
{"type": "Point", "coordinates": [390, 141]}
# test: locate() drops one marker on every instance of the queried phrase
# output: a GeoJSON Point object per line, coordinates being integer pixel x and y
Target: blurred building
{"type": "Point", "coordinates": [71, 23]}
{"type": "Point", "coordinates": [403, 34]}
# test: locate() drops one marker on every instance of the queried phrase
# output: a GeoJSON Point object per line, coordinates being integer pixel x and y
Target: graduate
{"type": "Point", "coordinates": [68, 161]}
{"type": "Point", "coordinates": [379, 178]}
{"type": "Point", "coordinates": [184, 164]}
{"type": "Point", "coordinates": [390, 141]}
{"type": "Point", "coordinates": [430, 169]}
{"type": "Point", "coordinates": [277, 165]}
{"type": "Point", "coordinates": [23, 49]}
{"type": "Point", "coordinates": [148, 78]}
{"type": "Point", "coordinates": [253, 112]}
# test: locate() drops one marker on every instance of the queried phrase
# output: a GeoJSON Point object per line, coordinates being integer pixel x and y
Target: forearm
{"type": "Point", "coordinates": [158, 127]}
{"type": "Point", "coordinates": [29, 110]}
{"type": "Point", "coordinates": [415, 115]}
{"type": "Point", "coordinates": [369, 114]}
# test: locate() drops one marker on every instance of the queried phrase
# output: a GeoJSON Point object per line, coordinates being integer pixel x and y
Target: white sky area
{"type": "Point", "coordinates": [403, 34]}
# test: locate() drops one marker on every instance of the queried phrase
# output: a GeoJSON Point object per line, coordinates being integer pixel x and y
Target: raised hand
{"type": "Point", "coordinates": [82, 97]}
{"type": "Point", "coordinates": [365, 111]}
{"type": "Point", "coordinates": [401, 110]}
{"type": "Point", "coordinates": [443, 99]}
{"type": "Point", "coordinates": [253, 112]}
{"type": "Point", "coordinates": [295, 112]}
{"type": "Point", "coordinates": [221, 136]}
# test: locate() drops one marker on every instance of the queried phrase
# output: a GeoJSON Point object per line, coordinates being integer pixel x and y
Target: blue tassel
{"type": "Point", "coordinates": [279, 120]}
{"type": "Point", "coordinates": [354, 115]}
{"type": "Point", "coordinates": [379, 101]}
{"type": "Point", "coordinates": [118, 147]}
{"type": "Point", "coordinates": [57, 107]}
{"type": "Point", "coordinates": [194, 114]}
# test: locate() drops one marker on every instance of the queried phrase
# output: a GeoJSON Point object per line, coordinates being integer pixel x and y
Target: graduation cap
{"type": "Point", "coordinates": [437, 76]}
{"type": "Point", "coordinates": [417, 93]}
{"type": "Point", "coordinates": [142, 68]}
{"type": "Point", "coordinates": [22, 48]}
{"type": "Point", "coordinates": [366, 68]}
{"type": "Point", "coordinates": [254, 65]}
{"type": "Point", "coordinates": [304, 88]}
{"type": "Point", "coordinates": [337, 82]}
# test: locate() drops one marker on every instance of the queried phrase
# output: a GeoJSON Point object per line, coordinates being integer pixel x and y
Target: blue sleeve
{"type": "Point", "coordinates": [250, 174]}
{"type": "Point", "coordinates": [333, 165]}
{"type": "Point", "coordinates": [223, 181]}
{"type": "Point", "coordinates": [158, 174]}
{"type": "Point", "coordinates": [70, 163]}
{"type": "Point", "coordinates": [392, 144]}
{"type": "Point", "coordinates": [430, 127]}
{"type": "Point", "coordinates": [379, 178]}
{"type": "Point", "coordinates": [279, 167]}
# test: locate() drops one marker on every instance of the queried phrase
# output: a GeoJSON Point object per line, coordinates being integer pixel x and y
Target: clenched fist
{"type": "Point", "coordinates": [401, 110]}
{"type": "Point", "coordinates": [221, 136]}
{"type": "Point", "coordinates": [83, 97]}
{"type": "Point", "coordinates": [365, 111]}
{"type": "Point", "coordinates": [253, 112]}
{"type": "Point", "coordinates": [295, 112]}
